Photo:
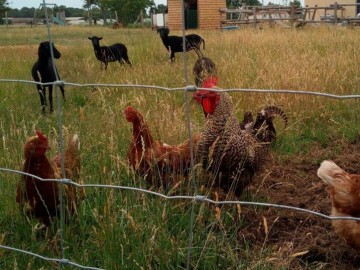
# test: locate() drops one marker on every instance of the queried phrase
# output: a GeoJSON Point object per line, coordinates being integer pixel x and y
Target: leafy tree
{"type": "Point", "coordinates": [128, 10]}
{"type": "Point", "coordinates": [74, 12]}
{"type": "Point", "coordinates": [231, 4]}
{"type": "Point", "coordinates": [89, 5]}
{"type": "Point", "coordinates": [29, 12]}
{"type": "Point", "coordinates": [295, 3]}
{"type": "Point", "coordinates": [22, 13]}
{"type": "Point", "coordinates": [251, 3]}
{"type": "Point", "coordinates": [161, 8]}
{"type": "Point", "coordinates": [238, 3]}
{"type": "Point", "coordinates": [4, 6]}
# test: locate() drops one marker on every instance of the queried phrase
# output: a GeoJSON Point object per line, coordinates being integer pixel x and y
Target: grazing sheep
{"type": "Point", "coordinates": [44, 66]}
{"type": "Point", "coordinates": [106, 54]}
{"type": "Point", "coordinates": [175, 43]}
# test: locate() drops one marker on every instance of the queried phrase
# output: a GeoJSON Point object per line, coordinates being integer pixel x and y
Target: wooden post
{"type": "Point", "coordinates": [305, 13]}
{"type": "Point", "coordinates": [335, 13]}
{"type": "Point", "coordinates": [292, 15]}
{"type": "Point", "coordinates": [242, 14]}
{"type": "Point", "coordinates": [116, 16]}
{"type": "Point", "coordinates": [271, 21]}
{"type": "Point", "coordinates": [254, 10]}
{"type": "Point", "coordinates": [313, 16]}
{"type": "Point", "coordinates": [6, 19]}
{"type": "Point", "coordinates": [221, 18]}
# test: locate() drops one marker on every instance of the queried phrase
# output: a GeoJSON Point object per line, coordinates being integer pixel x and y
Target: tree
{"type": "Point", "coordinates": [295, 3]}
{"type": "Point", "coordinates": [251, 3]}
{"type": "Point", "coordinates": [4, 6]}
{"type": "Point", "coordinates": [238, 3]}
{"type": "Point", "coordinates": [161, 8]}
{"type": "Point", "coordinates": [128, 10]}
{"type": "Point", "coordinates": [232, 4]}
{"type": "Point", "coordinates": [89, 5]}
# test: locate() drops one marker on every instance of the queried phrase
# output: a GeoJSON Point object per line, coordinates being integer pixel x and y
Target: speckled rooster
{"type": "Point", "coordinates": [230, 153]}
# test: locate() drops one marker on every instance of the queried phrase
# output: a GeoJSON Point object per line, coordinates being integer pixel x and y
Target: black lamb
{"type": "Point", "coordinates": [106, 54]}
{"type": "Point", "coordinates": [175, 43]}
{"type": "Point", "coordinates": [48, 73]}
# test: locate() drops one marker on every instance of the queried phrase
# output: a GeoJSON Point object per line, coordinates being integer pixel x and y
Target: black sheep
{"type": "Point", "coordinates": [106, 54]}
{"type": "Point", "coordinates": [175, 43]}
{"type": "Point", "coordinates": [48, 73]}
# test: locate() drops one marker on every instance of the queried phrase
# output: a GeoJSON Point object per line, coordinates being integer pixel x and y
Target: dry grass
{"type": "Point", "coordinates": [125, 230]}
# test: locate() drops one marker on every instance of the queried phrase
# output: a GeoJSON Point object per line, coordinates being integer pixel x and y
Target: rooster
{"type": "Point", "coordinates": [40, 199]}
{"type": "Point", "coordinates": [230, 153]}
{"type": "Point", "coordinates": [154, 160]}
{"type": "Point", "coordinates": [344, 189]}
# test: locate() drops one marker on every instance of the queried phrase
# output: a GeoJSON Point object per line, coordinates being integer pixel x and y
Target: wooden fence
{"type": "Point", "coordinates": [295, 16]}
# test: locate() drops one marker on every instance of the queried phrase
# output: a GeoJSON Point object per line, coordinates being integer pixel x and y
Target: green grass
{"type": "Point", "coordinates": [118, 229]}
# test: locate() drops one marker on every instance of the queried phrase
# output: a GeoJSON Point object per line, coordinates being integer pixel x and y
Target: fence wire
{"type": "Point", "coordinates": [192, 88]}
{"type": "Point", "coordinates": [195, 198]}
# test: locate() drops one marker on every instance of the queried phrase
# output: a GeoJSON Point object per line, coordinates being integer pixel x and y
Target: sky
{"type": "Point", "coordinates": [78, 3]}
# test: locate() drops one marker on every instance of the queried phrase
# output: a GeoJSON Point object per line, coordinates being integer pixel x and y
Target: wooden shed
{"type": "Point", "coordinates": [198, 14]}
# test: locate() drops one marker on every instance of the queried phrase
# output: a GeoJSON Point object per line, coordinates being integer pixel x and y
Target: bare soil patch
{"type": "Point", "coordinates": [299, 240]}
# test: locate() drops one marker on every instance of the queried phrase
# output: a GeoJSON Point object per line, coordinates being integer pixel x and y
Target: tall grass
{"type": "Point", "coordinates": [126, 230]}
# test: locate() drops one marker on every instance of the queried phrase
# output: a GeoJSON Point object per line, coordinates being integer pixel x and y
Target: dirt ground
{"type": "Point", "coordinates": [299, 240]}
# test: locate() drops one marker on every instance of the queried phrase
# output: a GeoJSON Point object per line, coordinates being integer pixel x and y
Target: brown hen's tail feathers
{"type": "Point", "coordinates": [71, 154]}
{"type": "Point", "coordinates": [74, 143]}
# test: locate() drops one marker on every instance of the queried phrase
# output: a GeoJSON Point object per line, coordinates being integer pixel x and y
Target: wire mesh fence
{"type": "Point", "coordinates": [194, 199]}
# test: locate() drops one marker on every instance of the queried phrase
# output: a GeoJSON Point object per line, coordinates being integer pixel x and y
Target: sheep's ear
{"type": "Point", "coordinates": [100, 38]}
{"type": "Point", "coordinates": [90, 38]}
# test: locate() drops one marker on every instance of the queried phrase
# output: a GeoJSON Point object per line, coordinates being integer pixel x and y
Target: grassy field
{"type": "Point", "coordinates": [118, 229]}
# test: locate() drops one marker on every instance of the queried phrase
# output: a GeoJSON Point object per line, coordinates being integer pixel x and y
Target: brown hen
{"type": "Point", "coordinates": [72, 168]}
{"type": "Point", "coordinates": [153, 160]}
{"type": "Point", "coordinates": [37, 198]}
{"type": "Point", "coordinates": [344, 190]}
{"type": "Point", "coordinates": [40, 199]}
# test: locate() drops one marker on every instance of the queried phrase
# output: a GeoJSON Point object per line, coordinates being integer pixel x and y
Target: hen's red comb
{"type": "Point", "coordinates": [129, 109]}
{"type": "Point", "coordinates": [41, 136]}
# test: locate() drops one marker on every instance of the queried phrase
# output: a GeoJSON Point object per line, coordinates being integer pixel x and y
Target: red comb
{"type": "Point", "coordinates": [210, 82]}
{"type": "Point", "coordinates": [40, 135]}
{"type": "Point", "coordinates": [129, 109]}
{"type": "Point", "coordinates": [131, 114]}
